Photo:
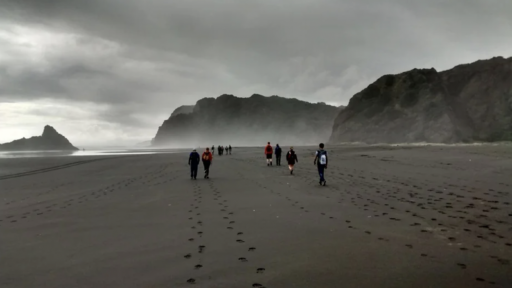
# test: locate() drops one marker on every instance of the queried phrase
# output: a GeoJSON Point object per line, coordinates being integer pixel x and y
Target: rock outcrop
{"type": "Point", "coordinates": [50, 140]}
{"type": "Point", "coordinates": [229, 120]}
{"type": "Point", "coordinates": [467, 103]}
{"type": "Point", "coordinates": [185, 109]}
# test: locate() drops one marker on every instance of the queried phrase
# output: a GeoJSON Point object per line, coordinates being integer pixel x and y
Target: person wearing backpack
{"type": "Point", "coordinates": [193, 161]}
{"type": "Point", "coordinates": [277, 151]}
{"type": "Point", "coordinates": [268, 152]}
{"type": "Point", "coordinates": [207, 161]}
{"type": "Point", "coordinates": [321, 162]}
{"type": "Point", "coordinates": [291, 157]}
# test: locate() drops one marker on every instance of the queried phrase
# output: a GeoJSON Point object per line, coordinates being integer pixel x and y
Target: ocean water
{"type": "Point", "coordinates": [100, 152]}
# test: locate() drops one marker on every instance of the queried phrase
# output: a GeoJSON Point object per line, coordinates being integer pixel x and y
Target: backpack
{"type": "Point", "coordinates": [206, 156]}
{"type": "Point", "coordinates": [322, 157]}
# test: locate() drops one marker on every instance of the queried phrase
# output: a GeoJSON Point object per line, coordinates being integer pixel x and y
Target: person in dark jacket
{"type": "Point", "coordinates": [321, 161]}
{"type": "Point", "coordinates": [278, 151]}
{"type": "Point", "coordinates": [193, 161]}
{"type": "Point", "coordinates": [230, 149]}
{"type": "Point", "coordinates": [291, 157]}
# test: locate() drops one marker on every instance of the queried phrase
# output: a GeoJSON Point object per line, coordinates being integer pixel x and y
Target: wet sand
{"type": "Point", "coordinates": [388, 217]}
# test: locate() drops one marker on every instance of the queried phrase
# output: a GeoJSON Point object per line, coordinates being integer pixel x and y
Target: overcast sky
{"type": "Point", "coordinates": [110, 71]}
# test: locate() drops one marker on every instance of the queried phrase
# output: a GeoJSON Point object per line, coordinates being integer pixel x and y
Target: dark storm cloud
{"type": "Point", "coordinates": [148, 57]}
{"type": "Point", "coordinates": [257, 41]}
{"type": "Point", "coordinates": [35, 84]}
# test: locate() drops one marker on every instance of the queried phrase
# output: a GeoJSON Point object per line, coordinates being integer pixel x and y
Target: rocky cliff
{"type": "Point", "coordinates": [50, 140]}
{"type": "Point", "coordinates": [229, 120]}
{"type": "Point", "coordinates": [467, 103]}
{"type": "Point", "coordinates": [185, 109]}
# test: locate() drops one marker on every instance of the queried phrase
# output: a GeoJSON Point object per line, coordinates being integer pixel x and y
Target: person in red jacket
{"type": "Point", "coordinates": [207, 159]}
{"type": "Point", "coordinates": [268, 152]}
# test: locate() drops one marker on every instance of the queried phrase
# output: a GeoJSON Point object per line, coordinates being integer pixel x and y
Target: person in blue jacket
{"type": "Point", "coordinates": [193, 161]}
{"type": "Point", "coordinates": [277, 151]}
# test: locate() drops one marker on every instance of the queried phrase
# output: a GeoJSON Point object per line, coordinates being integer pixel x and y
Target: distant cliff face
{"type": "Point", "coordinates": [50, 140]}
{"type": "Point", "coordinates": [468, 103]}
{"type": "Point", "coordinates": [186, 109]}
{"type": "Point", "coordinates": [229, 120]}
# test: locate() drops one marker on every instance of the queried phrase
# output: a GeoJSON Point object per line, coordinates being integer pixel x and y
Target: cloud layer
{"type": "Point", "coordinates": [110, 71]}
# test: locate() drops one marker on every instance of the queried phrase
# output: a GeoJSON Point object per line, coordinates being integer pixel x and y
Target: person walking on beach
{"type": "Point", "coordinates": [193, 161]}
{"type": "Point", "coordinates": [213, 148]}
{"type": "Point", "coordinates": [218, 150]}
{"type": "Point", "coordinates": [207, 159]}
{"type": "Point", "coordinates": [230, 149]}
{"type": "Point", "coordinates": [321, 162]}
{"type": "Point", "coordinates": [291, 157]}
{"type": "Point", "coordinates": [277, 151]}
{"type": "Point", "coordinates": [268, 152]}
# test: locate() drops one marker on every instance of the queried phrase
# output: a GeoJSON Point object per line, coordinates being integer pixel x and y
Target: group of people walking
{"type": "Point", "coordinates": [222, 149]}
{"type": "Point", "coordinates": [207, 158]}
{"type": "Point", "coordinates": [194, 159]}
{"type": "Point", "coordinates": [291, 157]}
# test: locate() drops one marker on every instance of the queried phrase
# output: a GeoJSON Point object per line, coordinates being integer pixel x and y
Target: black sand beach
{"type": "Point", "coordinates": [432, 216]}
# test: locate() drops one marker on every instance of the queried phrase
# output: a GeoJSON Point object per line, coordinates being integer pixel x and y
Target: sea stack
{"type": "Point", "coordinates": [49, 140]}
